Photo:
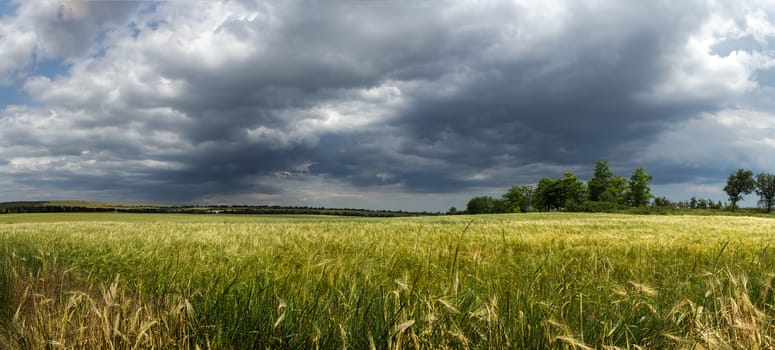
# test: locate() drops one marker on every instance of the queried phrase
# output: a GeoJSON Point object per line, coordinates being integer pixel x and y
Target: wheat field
{"type": "Point", "coordinates": [522, 281]}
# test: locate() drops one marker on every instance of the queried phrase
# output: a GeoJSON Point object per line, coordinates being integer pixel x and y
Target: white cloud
{"type": "Point", "coordinates": [17, 42]}
{"type": "Point", "coordinates": [377, 96]}
{"type": "Point", "coordinates": [696, 73]}
{"type": "Point", "coordinates": [727, 139]}
{"type": "Point", "coordinates": [55, 30]}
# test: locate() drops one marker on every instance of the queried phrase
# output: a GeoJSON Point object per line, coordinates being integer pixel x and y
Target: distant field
{"type": "Point", "coordinates": [523, 281]}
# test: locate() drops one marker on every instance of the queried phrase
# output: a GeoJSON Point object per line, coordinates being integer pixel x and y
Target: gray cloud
{"type": "Point", "coordinates": [219, 99]}
{"type": "Point", "coordinates": [70, 28]}
{"type": "Point", "coordinates": [43, 31]}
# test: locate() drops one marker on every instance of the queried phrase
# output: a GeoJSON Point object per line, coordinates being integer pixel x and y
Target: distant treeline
{"type": "Point", "coordinates": [274, 209]}
{"type": "Point", "coordinates": [606, 192]}
{"type": "Point", "coordinates": [51, 209]}
{"type": "Point", "coordinates": [46, 207]}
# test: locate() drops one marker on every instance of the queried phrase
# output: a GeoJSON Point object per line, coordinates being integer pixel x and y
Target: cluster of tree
{"type": "Point", "coordinates": [692, 203]}
{"type": "Point", "coordinates": [742, 182]}
{"type": "Point", "coordinates": [604, 192]}
{"type": "Point", "coordinates": [517, 199]}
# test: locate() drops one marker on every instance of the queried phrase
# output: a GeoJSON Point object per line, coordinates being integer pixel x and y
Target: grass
{"type": "Point", "coordinates": [129, 281]}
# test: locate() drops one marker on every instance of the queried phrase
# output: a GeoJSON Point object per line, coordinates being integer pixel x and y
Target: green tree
{"type": "Point", "coordinates": [546, 196]}
{"type": "Point", "coordinates": [571, 190]}
{"type": "Point", "coordinates": [600, 181]}
{"type": "Point", "coordinates": [605, 187]}
{"type": "Point", "coordinates": [501, 206]}
{"type": "Point", "coordinates": [616, 191]}
{"type": "Point", "coordinates": [739, 184]}
{"type": "Point", "coordinates": [639, 190]}
{"type": "Point", "coordinates": [664, 202]}
{"type": "Point", "coordinates": [480, 205]}
{"type": "Point", "coordinates": [557, 194]}
{"type": "Point", "coordinates": [519, 198]}
{"type": "Point", "coordinates": [765, 188]}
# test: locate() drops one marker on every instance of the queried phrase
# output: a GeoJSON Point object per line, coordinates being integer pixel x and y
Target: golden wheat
{"type": "Point", "coordinates": [502, 281]}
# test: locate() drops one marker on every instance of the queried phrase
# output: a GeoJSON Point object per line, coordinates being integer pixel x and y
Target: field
{"type": "Point", "coordinates": [524, 281]}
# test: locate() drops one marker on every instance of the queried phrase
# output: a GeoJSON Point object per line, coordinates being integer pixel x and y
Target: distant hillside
{"type": "Point", "coordinates": [79, 206]}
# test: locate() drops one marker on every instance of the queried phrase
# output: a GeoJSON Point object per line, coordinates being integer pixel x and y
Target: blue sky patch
{"type": "Point", "coordinates": [746, 43]}
{"type": "Point", "coordinates": [766, 77]}
{"type": "Point", "coordinates": [7, 8]}
{"type": "Point", "coordinates": [13, 95]}
{"type": "Point", "coordinates": [51, 68]}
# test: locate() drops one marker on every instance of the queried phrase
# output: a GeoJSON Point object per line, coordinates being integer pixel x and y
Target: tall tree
{"type": "Point", "coordinates": [640, 192]}
{"type": "Point", "coordinates": [765, 188]}
{"type": "Point", "coordinates": [571, 189]}
{"type": "Point", "coordinates": [600, 181]}
{"type": "Point", "coordinates": [500, 205]}
{"type": "Point", "coordinates": [616, 191]}
{"type": "Point", "coordinates": [605, 187]}
{"type": "Point", "coordinates": [519, 198]}
{"type": "Point", "coordinates": [739, 184]}
{"type": "Point", "coordinates": [557, 194]}
{"type": "Point", "coordinates": [546, 196]}
{"type": "Point", "coordinates": [480, 205]}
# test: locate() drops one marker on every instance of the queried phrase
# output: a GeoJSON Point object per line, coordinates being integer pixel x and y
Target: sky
{"type": "Point", "coordinates": [380, 104]}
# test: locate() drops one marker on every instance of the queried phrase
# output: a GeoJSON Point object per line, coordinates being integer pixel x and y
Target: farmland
{"type": "Point", "coordinates": [553, 280]}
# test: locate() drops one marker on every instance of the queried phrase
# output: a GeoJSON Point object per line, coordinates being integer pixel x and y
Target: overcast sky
{"type": "Point", "coordinates": [412, 104]}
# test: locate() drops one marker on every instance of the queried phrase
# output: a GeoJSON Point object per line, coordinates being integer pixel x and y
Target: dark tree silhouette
{"type": "Point", "coordinates": [739, 184]}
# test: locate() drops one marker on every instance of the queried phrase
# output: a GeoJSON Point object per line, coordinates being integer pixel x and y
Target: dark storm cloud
{"type": "Point", "coordinates": [572, 104]}
{"type": "Point", "coordinates": [364, 162]}
{"type": "Point", "coordinates": [688, 173]}
{"type": "Point", "coordinates": [575, 105]}
{"type": "Point", "coordinates": [228, 169]}
{"type": "Point", "coordinates": [574, 114]}
{"type": "Point", "coordinates": [318, 51]}
{"type": "Point", "coordinates": [219, 98]}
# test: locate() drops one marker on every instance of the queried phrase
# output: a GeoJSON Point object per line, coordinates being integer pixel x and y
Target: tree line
{"type": "Point", "coordinates": [606, 192]}
{"type": "Point", "coordinates": [47, 207]}
{"type": "Point", "coordinates": [742, 182]}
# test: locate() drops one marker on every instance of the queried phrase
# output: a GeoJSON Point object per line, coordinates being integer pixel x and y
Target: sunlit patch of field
{"type": "Point", "coordinates": [128, 281]}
